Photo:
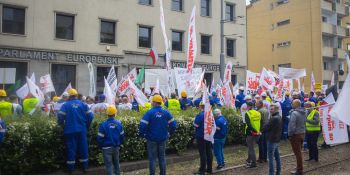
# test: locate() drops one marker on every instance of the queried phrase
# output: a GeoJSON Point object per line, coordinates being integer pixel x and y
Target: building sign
{"type": "Point", "coordinates": [55, 56]}
{"type": "Point", "coordinates": [206, 67]}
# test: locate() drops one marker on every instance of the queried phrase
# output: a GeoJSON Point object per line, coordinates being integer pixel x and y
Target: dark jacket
{"type": "Point", "coordinates": [273, 128]}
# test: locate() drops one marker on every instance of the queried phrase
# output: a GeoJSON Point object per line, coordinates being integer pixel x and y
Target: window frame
{"type": "Point", "coordinates": [182, 40]}
{"type": "Point", "coordinates": [138, 35]}
{"type": "Point", "coordinates": [234, 54]}
{"type": "Point", "coordinates": [210, 44]}
{"type": "Point", "coordinates": [115, 30]}
{"type": "Point", "coordinates": [55, 24]}
{"type": "Point", "coordinates": [1, 18]}
{"type": "Point", "coordinates": [209, 9]}
{"type": "Point", "coordinates": [182, 6]}
{"type": "Point", "coordinates": [150, 4]}
{"type": "Point", "coordinates": [233, 11]}
{"type": "Point", "coordinates": [283, 23]}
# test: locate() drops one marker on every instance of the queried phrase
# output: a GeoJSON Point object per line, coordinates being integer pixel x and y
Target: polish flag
{"type": "Point", "coordinates": [154, 55]}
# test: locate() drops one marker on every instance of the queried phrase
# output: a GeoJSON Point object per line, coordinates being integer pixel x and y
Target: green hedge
{"type": "Point", "coordinates": [35, 144]}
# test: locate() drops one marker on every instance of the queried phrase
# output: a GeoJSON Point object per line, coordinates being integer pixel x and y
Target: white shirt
{"type": "Point", "coordinates": [244, 109]}
{"type": "Point", "coordinates": [99, 108]}
{"type": "Point", "coordinates": [125, 106]}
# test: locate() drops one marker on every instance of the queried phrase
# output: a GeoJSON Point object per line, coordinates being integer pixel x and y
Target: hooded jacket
{"type": "Point", "coordinates": [297, 121]}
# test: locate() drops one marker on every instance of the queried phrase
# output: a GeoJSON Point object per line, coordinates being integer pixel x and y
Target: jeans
{"type": "Point", "coordinates": [312, 143]}
{"type": "Point", "coordinates": [111, 160]}
{"type": "Point", "coordinates": [296, 141]}
{"type": "Point", "coordinates": [156, 150]}
{"type": "Point", "coordinates": [273, 152]}
{"type": "Point", "coordinates": [262, 147]}
{"type": "Point", "coordinates": [251, 141]}
{"type": "Point", "coordinates": [219, 151]}
{"type": "Point", "coordinates": [285, 128]}
{"type": "Point", "coordinates": [205, 154]}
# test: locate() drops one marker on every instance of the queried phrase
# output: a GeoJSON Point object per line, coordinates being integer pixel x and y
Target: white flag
{"type": "Point", "coordinates": [313, 82]}
{"type": "Point", "coordinates": [299, 85]}
{"type": "Point", "coordinates": [36, 92]}
{"type": "Point", "coordinates": [340, 109]}
{"type": "Point", "coordinates": [112, 79]}
{"type": "Point", "coordinates": [267, 81]}
{"type": "Point", "coordinates": [46, 84]}
{"type": "Point", "coordinates": [235, 89]}
{"type": "Point", "coordinates": [67, 88]}
{"type": "Point", "coordinates": [227, 96]}
{"type": "Point", "coordinates": [332, 80]}
{"type": "Point", "coordinates": [228, 72]}
{"type": "Point", "coordinates": [110, 97]}
{"type": "Point", "coordinates": [156, 89]}
{"type": "Point", "coordinates": [138, 95]}
{"type": "Point", "coordinates": [23, 91]}
{"type": "Point", "coordinates": [162, 24]}
{"type": "Point", "coordinates": [92, 89]}
{"type": "Point", "coordinates": [209, 121]}
{"type": "Point", "coordinates": [192, 42]}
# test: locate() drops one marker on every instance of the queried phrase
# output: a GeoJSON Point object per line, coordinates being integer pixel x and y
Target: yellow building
{"type": "Point", "coordinates": [299, 34]}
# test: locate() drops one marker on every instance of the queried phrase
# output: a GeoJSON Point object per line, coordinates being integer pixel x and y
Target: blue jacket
{"type": "Point", "coordinates": [313, 99]}
{"type": "Point", "coordinates": [75, 116]}
{"type": "Point", "coordinates": [135, 106]}
{"type": "Point", "coordinates": [2, 130]}
{"type": "Point", "coordinates": [110, 133]}
{"type": "Point", "coordinates": [221, 127]}
{"type": "Point", "coordinates": [156, 123]}
{"type": "Point", "coordinates": [240, 100]}
{"type": "Point", "coordinates": [197, 102]}
{"type": "Point", "coordinates": [185, 103]}
{"type": "Point", "coordinates": [215, 102]}
{"type": "Point", "coordinates": [199, 125]}
{"type": "Point", "coordinates": [286, 106]}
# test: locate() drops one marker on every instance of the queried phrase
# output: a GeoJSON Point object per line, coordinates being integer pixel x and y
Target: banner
{"type": "Point", "coordinates": [334, 130]}
{"type": "Point", "coordinates": [252, 82]}
{"type": "Point", "coordinates": [290, 73]}
{"type": "Point", "coordinates": [279, 96]}
{"type": "Point", "coordinates": [111, 79]}
{"type": "Point", "coordinates": [267, 81]}
{"type": "Point", "coordinates": [137, 93]}
{"type": "Point", "coordinates": [192, 42]}
{"type": "Point", "coordinates": [23, 91]}
{"type": "Point", "coordinates": [228, 72]}
{"type": "Point", "coordinates": [132, 75]}
{"type": "Point", "coordinates": [313, 82]}
{"type": "Point", "coordinates": [107, 91]}
{"type": "Point", "coordinates": [156, 89]}
{"type": "Point", "coordinates": [209, 121]}
{"type": "Point", "coordinates": [151, 76]}
{"type": "Point", "coordinates": [7, 75]}
{"type": "Point", "coordinates": [92, 89]}
{"type": "Point", "coordinates": [46, 84]}
{"type": "Point", "coordinates": [67, 88]}
{"type": "Point", "coordinates": [184, 82]}
{"type": "Point", "coordinates": [227, 96]}
{"type": "Point", "coordinates": [123, 87]}
{"type": "Point", "coordinates": [288, 85]}
{"type": "Point", "coordinates": [200, 85]}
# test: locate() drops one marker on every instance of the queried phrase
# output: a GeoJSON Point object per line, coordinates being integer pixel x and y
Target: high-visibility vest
{"type": "Point", "coordinates": [312, 127]}
{"type": "Point", "coordinates": [255, 119]}
{"type": "Point", "coordinates": [29, 104]}
{"type": "Point", "coordinates": [5, 108]}
{"type": "Point", "coordinates": [174, 104]}
{"type": "Point", "coordinates": [147, 107]}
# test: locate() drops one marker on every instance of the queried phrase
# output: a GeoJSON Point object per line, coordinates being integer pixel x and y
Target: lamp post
{"type": "Point", "coordinates": [222, 54]}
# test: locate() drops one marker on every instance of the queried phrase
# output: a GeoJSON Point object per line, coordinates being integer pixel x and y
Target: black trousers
{"type": "Point", "coordinates": [311, 139]}
{"type": "Point", "coordinates": [205, 154]}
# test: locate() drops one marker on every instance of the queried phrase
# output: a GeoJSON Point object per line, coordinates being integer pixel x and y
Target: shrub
{"type": "Point", "coordinates": [35, 144]}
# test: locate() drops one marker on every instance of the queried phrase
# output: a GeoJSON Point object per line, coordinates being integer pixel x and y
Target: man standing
{"type": "Point", "coordinates": [219, 138]}
{"type": "Point", "coordinates": [273, 131]}
{"type": "Point", "coordinates": [262, 140]}
{"type": "Point", "coordinates": [296, 132]}
{"type": "Point", "coordinates": [185, 103]}
{"type": "Point", "coordinates": [29, 104]}
{"type": "Point", "coordinates": [215, 101]}
{"type": "Point", "coordinates": [313, 128]}
{"type": "Point", "coordinates": [204, 146]}
{"type": "Point", "coordinates": [244, 107]}
{"type": "Point", "coordinates": [173, 104]}
{"type": "Point", "coordinates": [240, 98]}
{"type": "Point", "coordinates": [75, 118]}
{"type": "Point", "coordinates": [286, 108]}
{"type": "Point", "coordinates": [125, 105]}
{"type": "Point", "coordinates": [266, 102]}
{"type": "Point", "coordinates": [252, 131]}
{"type": "Point", "coordinates": [100, 107]}
{"type": "Point", "coordinates": [155, 126]}
{"type": "Point", "coordinates": [6, 108]}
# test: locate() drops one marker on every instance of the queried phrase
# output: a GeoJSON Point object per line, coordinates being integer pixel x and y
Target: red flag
{"type": "Point", "coordinates": [154, 55]}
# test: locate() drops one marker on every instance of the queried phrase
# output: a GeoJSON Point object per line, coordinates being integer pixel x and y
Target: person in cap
{"type": "Point", "coordinates": [257, 97]}
{"type": "Point", "coordinates": [273, 130]}
{"type": "Point", "coordinates": [109, 137]}
{"type": "Point", "coordinates": [55, 101]}
{"type": "Point", "coordinates": [57, 106]}
{"type": "Point", "coordinates": [252, 132]}
{"type": "Point", "coordinates": [244, 107]}
{"type": "Point", "coordinates": [219, 138]}
{"type": "Point", "coordinates": [204, 146]}
{"type": "Point", "coordinates": [312, 97]}
{"type": "Point", "coordinates": [125, 105]}
{"type": "Point", "coordinates": [265, 115]}
{"type": "Point", "coordinates": [265, 100]}
{"type": "Point", "coordinates": [156, 125]}
{"type": "Point", "coordinates": [215, 101]}
{"type": "Point", "coordinates": [313, 129]}
{"type": "Point", "coordinates": [6, 108]}
{"type": "Point", "coordinates": [29, 104]}
{"type": "Point", "coordinates": [17, 108]}
{"type": "Point", "coordinates": [240, 98]}
{"type": "Point", "coordinates": [185, 103]}
{"type": "Point", "coordinates": [173, 104]}
{"type": "Point", "coordinates": [75, 118]}
{"type": "Point", "coordinates": [100, 107]}
{"type": "Point", "coordinates": [90, 101]}
{"type": "Point", "coordinates": [198, 101]}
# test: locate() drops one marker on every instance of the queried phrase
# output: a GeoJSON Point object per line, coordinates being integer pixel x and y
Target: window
{"type": "Point", "coordinates": [327, 41]}
{"type": "Point", "coordinates": [13, 20]}
{"type": "Point", "coordinates": [348, 47]}
{"type": "Point", "coordinates": [107, 33]}
{"type": "Point", "coordinates": [324, 19]}
{"type": "Point", "coordinates": [230, 47]}
{"type": "Point", "coordinates": [21, 73]}
{"type": "Point", "coordinates": [62, 75]}
{"type": "Point", "coordinates": [64, 26]}
{"type": "Point", "coordinates": [340, 43]}
{"type": "Point", "coordinates": [101, 73]}
{"type": "Point", "coordinates": [145, 2]}
{"type": "Point", "coordinates": [205, 44]}
{"type": "Point", "coordinates": [282, 23]}
{"type": "Point", "coordinates": [338, 22]}
{"type": "Point", "coordinates": [205, 7]}
{"type": "Point", "coordinates": [230, 12]}
{"type": "Point", "coordinates": [145, 36]}
{"type": "Point", "coordinates": [177, 5]}
{"type": "Point", "coordinates": [287, 65]}
{"type": "Point", "coordinates": [208, 77]}
{"type": "Point", "coordinates": [177, 40]}
{"type": "Point", "coordinates": [283, 44]}
{"type": "Point", "coordinates": [326, 65]}
{"type": "Point", "coordinates": [233, 79]}
{"type": "Point", "coordinates": [281, 2]}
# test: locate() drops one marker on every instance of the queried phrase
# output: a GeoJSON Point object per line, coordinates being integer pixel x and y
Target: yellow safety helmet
{"type": "Point", "coordinates": [318, 90]}
{"type": "Point", "coordinates": [3, 93]}
{"type": "Point", "coordinates": [183, 93]}
{"type": "Point", "coordinates": [288, 93]}
{"type": "Point", "coordinates": [157, 98]}
{"type": "Point", "coordinates": [111, 110]}
{"type": "Point", "coordinates": [201, 104]}
{"type": "Point", "coordinates": [312, 104]}
{"type": "Point", "coordinates": [72, 92]}
{"type": "Point", "coordinates": [56, 98]}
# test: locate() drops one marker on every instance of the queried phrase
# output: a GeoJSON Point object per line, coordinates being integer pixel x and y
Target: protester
{"type": "Point", "coordinates": [215, 101]}
{"type": "Point", "coordinates": [252, 132]}
{"type": "Point", "coordinates": [2, 130]}
{"type": "Point", "coordinates": [240, 98]}
{"type": "Point", "coordinates": [296, 132]}
{"type": "Point", "coordinates": [110, 136]}
{"type": "Point", "coordinates": [135, 105]}
{"type": "Point", "coordinates": [29, 104]}
{"type": "Point", "coordinates": [204, 146]}
{"type": "Point", "coordinates": [125, 105]}
{"type": "Point", "coordinates": [265, 100]}
{"type": "Point", "coordinates": [100, 107]}
{"type": "Point", "coordinates": [90, 102]}
{"type": "Point", "coordinates": [219, 138]}
{"type": "Point", "coordinates": [257, 97]}
{"type": "Point", "coordinates": [313, 128]}
{"type": "Point", "coordinates": [17, 108]}
{"type": "Point", "coordinates": [185, 103]}
{"type": "Point", "coordinates": [6, 108]}
{"type": "Point", "coordinates": [286, 108]}
{"type": "Point", "coordinates": [262, 139]}
{"type": "Point", "coordinates": [273, 130]}
{"type": "Point", "coordinates": [75, 118]}
{"type": "Point", "coordinates": [312, 97]}
{"type": "Point", "coordinates": [198, 101]}
{"type": "Point", "coordinates": [173, 104]}
{"type": "Point", "coordinates": [155, 126]}
{"type": "Point", "coordinates": [244, 107]}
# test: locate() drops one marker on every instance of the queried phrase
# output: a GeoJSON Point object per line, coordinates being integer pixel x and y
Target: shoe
{"type": "Point", "coordinates": [296, 173]}
{"type": "Point", "coordinates": [219, 167]}
{"type": "Point", "coordinates": [251, 166]}
{"type": "Point", "coordinates": [308, 160]}
{"type": "Point", "coordinates": [209, 171]}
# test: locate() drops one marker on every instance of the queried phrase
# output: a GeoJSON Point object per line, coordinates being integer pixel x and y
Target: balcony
{"type": "Point", "coordinates": [328, 52]}
{"type": "Point", "coordinates": [326, 5]}
{"type": "Point", "coordinates": [341, 53]}
{"type": "Point", "coordinates": [327, 28]}
{"type": "Point", "coordinates": [340, 9]}
{"type": "Point", "coordinates": [327, 75]}
{"type": "Point", "coordinates": [341, 31]}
